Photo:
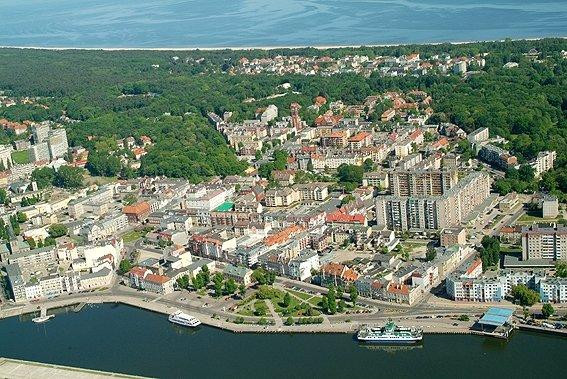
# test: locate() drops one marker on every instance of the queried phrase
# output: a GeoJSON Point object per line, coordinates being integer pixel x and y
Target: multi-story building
{"type": "Point", "coordinates": [39, 152]}
{"type": "Point", "coordinates": [375, 179]}
{"type": "Point", "coordinates": [453, 236]}
{"type": "Point", "coordinates": [497, 157]}
{"type": "Point", "coordinates": [550, 207]}
{"type": "Point", "coordinates": [6, 156]}
{"type": "Point", "coordinates": [544, 243]}
{"type": "Point", "coordinates": [283, 197]}
{"type": "Point", "coordinates": [544, 161]}
{"type": "Point", "coordinates": [313, 192]}
{"type": "Point", "coordinates": [478, 136]}
{"type": "Point", "coordinates": [269, 114]}
{"type": "Point", "coordinates": [40, 132]}
{"type": "Point", "coordinates": [57, 143]}
{"type": "Point", "coordinates": [421, 182]}
{"type": "Point", "coordinates": [433, 212]}
{"type": "Point", "coordinates": [553, 290]}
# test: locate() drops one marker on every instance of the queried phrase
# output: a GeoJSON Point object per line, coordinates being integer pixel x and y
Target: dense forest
{"type": "Point", "coordinates": [166, 95]}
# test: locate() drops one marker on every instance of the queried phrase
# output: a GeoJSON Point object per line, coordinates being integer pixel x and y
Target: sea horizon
{"type": "Point", "coordinates": [263, 24]}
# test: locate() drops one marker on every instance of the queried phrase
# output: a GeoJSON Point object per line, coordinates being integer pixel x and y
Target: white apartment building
{"type": "Point", "coordinates": [544, 243]}
{"type": "Point", "coordinates": [544, 161]}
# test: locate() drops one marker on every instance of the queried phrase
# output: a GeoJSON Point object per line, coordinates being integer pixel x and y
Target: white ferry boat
{"type": "Point", "coordinates": [184, 319]}
{"type": "Point", "coordinates": [390, 334]}
{"type": "Point", "coordinates": [39, 320]}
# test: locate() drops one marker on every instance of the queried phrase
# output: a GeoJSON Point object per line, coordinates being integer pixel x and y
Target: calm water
{"type": "Point", "coordinates": [124, 339]}
{"type": "Point", "coordinates": [214, 23]}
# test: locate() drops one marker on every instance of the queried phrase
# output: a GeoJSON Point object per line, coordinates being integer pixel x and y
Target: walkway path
{"type": "Point", "coordinates": [275, 315]}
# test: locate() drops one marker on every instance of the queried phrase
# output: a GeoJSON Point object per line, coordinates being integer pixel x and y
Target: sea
{"type": "Point", "coordinates": [129, 340]}
{"type": "Point", "coordinates": [271, 23]}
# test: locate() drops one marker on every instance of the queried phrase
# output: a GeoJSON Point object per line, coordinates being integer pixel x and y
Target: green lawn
{"type": "Point", "coordinates": [531, 217]}
{"type": "Point", "coordinates": [315, 300]}
{"type": "Point", "coordinates": [301, 295]}
{"type": "Point", "coordinates": [133, 236]}
{"type": "Point", "coordinates": [21, 157]}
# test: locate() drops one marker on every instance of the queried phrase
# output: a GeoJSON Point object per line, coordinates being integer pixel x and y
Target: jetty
{"type": "Point", "coordinates": [19, 369]}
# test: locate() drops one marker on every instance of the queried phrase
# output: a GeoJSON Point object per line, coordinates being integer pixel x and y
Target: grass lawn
{"type": "Point", "coordinates": [315, 301]}
{"type": "Point", "coordinates": [21, 157]}
{"type": "Point", "coordinates": [98, 180]}
{"type": "Point", "coordinates": [534, 216]}
{"type": "Point", "coordinates": [504, 249]}
{"type": "Point", "coordinates": [410, 246]}
{"type": "Point", "coordinates": [133, 236]}
{"type": "Point", "coordinates": [301, 295]}
{"type": "Point", "coordinates": [246, 309]}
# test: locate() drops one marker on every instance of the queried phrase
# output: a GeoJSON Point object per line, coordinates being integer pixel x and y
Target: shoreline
{"type": "Point", "coordinates": [268, 48]}
{"type": "Point", "coordinates": [220, 321]}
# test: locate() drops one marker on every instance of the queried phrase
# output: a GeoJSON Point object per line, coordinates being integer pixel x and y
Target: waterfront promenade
{"type": "Point", "coordinates": [222, 319]}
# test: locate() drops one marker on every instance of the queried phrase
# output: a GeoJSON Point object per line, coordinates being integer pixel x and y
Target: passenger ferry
{"type": "Point", "coordinates": [184, 319]}
{"type": "Point", "coordinates": [42, 319]}
{"type": "Point", "coordinates": [390, 334]}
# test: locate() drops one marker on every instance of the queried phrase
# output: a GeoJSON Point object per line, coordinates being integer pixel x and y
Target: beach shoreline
{"type": "Point", "coordinates": [268, 48]}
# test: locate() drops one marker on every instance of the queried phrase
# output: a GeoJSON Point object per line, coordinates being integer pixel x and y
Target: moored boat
{"type": "Point", "coordinates": [40, 319]}
{"type": "Point", "coordinates": [184, 319]}
{"type": "Point", "coordinates": [390, 334]}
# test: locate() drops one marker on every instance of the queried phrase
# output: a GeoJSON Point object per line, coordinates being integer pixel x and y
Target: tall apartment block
{"type": "Point", "coordinates": [421, 182]}
{"type": "Point", "coordinates": [434, 212]}
{"type": "Point", "coordinates": [544, 243]}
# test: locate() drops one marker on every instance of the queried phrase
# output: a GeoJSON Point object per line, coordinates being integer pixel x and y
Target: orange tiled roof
{"type": "Point", "coordinates": [334, 269]}
{"type": "Point", "coordinates": [283, 235]}
{"type": "Point", "coordinates": [137, 209]}
{"type": "Point", "coordinates": [400, 289]}
{"type": "Point", "coordinates": [158, 279]}
{"type": "Point", "coordinates": [359, 137]}
{"type": "Point", "coordinates": [339, 216]}
{"type": "Point", "coordinates": [477, 262]}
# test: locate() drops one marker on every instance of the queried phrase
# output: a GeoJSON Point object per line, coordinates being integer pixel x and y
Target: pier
{"type": "Point", "coordinates": [15, 368]}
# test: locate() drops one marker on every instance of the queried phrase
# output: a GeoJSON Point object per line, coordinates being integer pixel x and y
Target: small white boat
{"type": "Point", "coordinates": [39, 320]}
{"type": "Point", "coordinates": [184, 319]}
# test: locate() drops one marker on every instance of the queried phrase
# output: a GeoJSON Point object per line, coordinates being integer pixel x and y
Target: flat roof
{"type": "Point", "coordinates": [496, 316]}
{"type": "Point", "coordinates": [225, 207]}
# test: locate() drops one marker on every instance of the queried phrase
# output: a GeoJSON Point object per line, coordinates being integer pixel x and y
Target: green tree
{"type": "Point", "coordinates": [350, 174]}
{"type": "Point", "coordinates": [125, 266]}
{"type": "Point", "coordinates": [353, 292]}
{"type": "Point", "coordinates": [368, 165]}
{"type": "Point", "coordinates": [197, 282]}
{"type": "Point", "coordinates": [242, 290]}
{"type": "Point", "coordinates": [230, 287]}
{"type": "Point", "coordinates": [206, 274]}
{"type": "Point", "coordinates": [217, 282]}
{"type": "Point", "coordinates": [331, 300]}
{"type": "Point", "coordinates": [430, 254]}
{"type": "Point", "coordinates": [69, 177]}
{"type": "Point", "coordinates": [103, 164]}
{"type": "Point", "coordinates": [44, 177]}
{"type": "Point", "coordinates": [561, 269]}
{"type": "Point", "coordinates": [547, 310]}
{"type": "Point", "coordinates": [3, 196]}
{"type": "Point", "coordinates": [183, 282]}
{"type": "Point", "coordinates": [325, 304]}
{"type": "Point", "coordinates": [289, 321]}
{"type": "Point", "coordinates": [287, 300]}
{"type": "Point", "coordinates": [490, 251]}
{"type": "Point", "coordinates": [57, 230]}
{"type": "Point", "coordinates": [524, 295]}
{"type": "Point", "coordinates": [21, 217]}
{"type": "Point", "coordinates": [341, 307]}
